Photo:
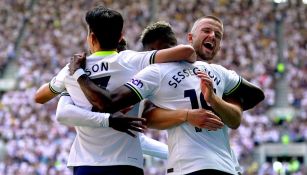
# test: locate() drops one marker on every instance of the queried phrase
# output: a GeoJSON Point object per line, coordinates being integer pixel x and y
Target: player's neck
{"type": "Point", "coordinates": [99, 49]}
{"type": "Point", "coordinates": [102, 52]}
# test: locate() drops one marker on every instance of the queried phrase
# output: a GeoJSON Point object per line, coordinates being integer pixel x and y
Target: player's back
{"type": "Point", "coordinates": [211, 147]}
{"type": "Point", "coordinates": [176, 86]}
{"type": "Point", "coordinates": [106, 146]}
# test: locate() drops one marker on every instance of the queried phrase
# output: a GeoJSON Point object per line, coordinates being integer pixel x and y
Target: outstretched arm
{"type": "Point", "coordinates": [159, 118]}
{"type": "Point", "coordinates": [69, 114]}
{"type": "Point", "coordinates": [153, 147]}
{"type": "Point", "coordinates": [177, 53]}
{"type": "Point", "coordinates": [50, 90]}
{"type": "Point", "coordinates": [103, 100]}
{"type": "Point", "coordinates": [44, 94]}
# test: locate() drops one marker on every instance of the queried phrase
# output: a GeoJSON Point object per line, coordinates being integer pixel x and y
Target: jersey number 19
{"type": "Point", "coordinates": [191, 93]}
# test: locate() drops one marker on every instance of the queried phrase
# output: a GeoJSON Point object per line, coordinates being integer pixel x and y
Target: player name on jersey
{"type": "Point", "coordinates": [181, 75]}
{"type": "Point", "coordinates": [99, 67]}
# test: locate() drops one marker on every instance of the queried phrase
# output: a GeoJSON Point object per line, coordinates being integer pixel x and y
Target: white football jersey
{"type": "Point", "coordinates": [176, 86]}
{"type": "Point", "coordinates": [105, 146]}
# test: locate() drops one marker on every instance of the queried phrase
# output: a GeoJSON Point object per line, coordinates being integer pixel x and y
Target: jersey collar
{"type": "Point", "coordinates": [104, 53]}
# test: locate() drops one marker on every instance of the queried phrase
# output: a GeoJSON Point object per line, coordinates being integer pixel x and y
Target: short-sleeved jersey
{"type": "Point", "coordinates": [106, 146]}
{"type": "Point", "coordinates": [176, 86]}
{"type": "Point", "coordinates": [56, 85]}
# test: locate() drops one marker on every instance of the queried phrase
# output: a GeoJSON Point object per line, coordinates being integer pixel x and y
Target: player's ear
{"type": "Point", "coordinates": [219, 48]}
{"type": "Point", "coordinates": [94, 40]}
{"type": "Point", "coordinates": [190, 38]}
{"type": "Point", "coordinates": [89, 40]}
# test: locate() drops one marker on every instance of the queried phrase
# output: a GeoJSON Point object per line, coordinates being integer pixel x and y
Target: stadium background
{"type": "Point", "coordinates": [264, 41]}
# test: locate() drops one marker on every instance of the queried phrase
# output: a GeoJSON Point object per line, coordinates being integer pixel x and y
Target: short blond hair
{"type": "Point", "coordinates": [204, 17]}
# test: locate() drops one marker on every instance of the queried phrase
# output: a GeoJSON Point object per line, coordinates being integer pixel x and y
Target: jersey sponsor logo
{"type": "Point", "coordinates": [137, 83]}
{"type": "Point", "coordinates": [99, 67]}
{"type": "Point", "coordinates": [177, 78]}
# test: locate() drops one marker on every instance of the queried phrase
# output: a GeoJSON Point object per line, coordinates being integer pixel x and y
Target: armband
{"type": "Point", "coordinates": [56, 86]}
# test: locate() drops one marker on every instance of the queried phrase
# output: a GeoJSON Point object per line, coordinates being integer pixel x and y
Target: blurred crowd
{"type": "Point", "coordinates": [32, 142]}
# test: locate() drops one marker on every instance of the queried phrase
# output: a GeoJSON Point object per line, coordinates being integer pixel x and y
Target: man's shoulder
{"type": "Point", "coordinates": [128, 52]}
{"type": "Point", "coordinates": [127, 55]}
{"type": "Point", "coordinates": [218, 68]}
{"type": "Point", "coordinates": [167, 65]}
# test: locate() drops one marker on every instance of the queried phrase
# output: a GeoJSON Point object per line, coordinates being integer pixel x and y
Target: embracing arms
{"type": "Point", "coordinates": [159, 118]}
{"type": "Point", "coordinates": [44, 94]}
{"type": "Point", "coordinates": [69, 114]}
{"type": "Point", "coordinates": [177, 53]}
{"type": "Point", "coordinates": [247, 94]}
{"type": "Point", "coordinates": [101, 99]}
{"type": "Point", "coordinates": [50, 90]}
{"type": "Point", "coordinates": [230, 112]}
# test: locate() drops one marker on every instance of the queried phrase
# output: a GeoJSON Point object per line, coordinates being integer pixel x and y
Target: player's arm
{"type": "Point", "coordinates": [153, 147]}
{"type": "Point", "coordinates": [103, 100]}
{"type": "Point", "coordinates": [100, 98]}
{"type": "Point", "coordinates": [177, 53]}
{"type": "Point", "coordinates": [159, 118]}
{"type": "Point", "coordinates": [247, 94]}
{"type": "Point", "coordinates": [50, 90]}
{"type": "Point", "coordinates": [230, 112]}
{"type": "Point", "coordinates": [69, 114]}
{"type": "Point", "coordinates": [127, 95]}
{"type": "Point", "coordinates": [44, 94]}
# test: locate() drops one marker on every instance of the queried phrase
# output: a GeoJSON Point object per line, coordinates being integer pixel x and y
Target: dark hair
{"type": "Point", "coordinates": [107, 26]}
{"type": "Point", "coordinates": [122, 45]}
{"type": "Point", "coordinates": [158, 31]}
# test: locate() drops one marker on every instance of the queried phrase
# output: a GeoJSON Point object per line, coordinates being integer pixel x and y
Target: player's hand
{"type": "Point", "coordinates": [203, 118]}
{"type": "Point", "coordinates": [76, 62]}
{"type": "Point", "coordinates": [206, 86]}
{"type": "Point", "coordinates": [120, 122]}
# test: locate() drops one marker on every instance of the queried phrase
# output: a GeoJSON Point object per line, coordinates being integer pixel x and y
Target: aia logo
{"type": "Point", "coordinates": [137, 83]}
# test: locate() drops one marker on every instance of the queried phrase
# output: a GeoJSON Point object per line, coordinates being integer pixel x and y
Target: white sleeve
{"type": "Point", "coordinates": [153, 147]}
{"type": "Point", "coordinates": [56, 85]}
{"type": "Point", "coordinates": [146, 82]}
{"type": "Point", "coordinates": [69, 114]}
{"type": "Point", "coordinates": [233, 80]}
{"type": "Point", "coordinates": [138, 60]}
